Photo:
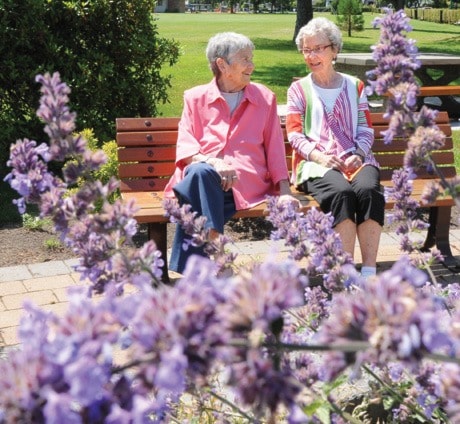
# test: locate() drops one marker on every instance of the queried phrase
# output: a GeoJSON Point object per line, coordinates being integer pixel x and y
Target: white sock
{"type": "Point", "coordinates": [368, 271]}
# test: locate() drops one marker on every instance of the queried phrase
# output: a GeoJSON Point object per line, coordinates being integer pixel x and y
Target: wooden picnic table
{"type": "Point", "coordinates": [449, 65]}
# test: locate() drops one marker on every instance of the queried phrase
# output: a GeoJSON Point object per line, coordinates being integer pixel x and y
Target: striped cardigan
{"type": "Point", "coordinates": [347, 127]}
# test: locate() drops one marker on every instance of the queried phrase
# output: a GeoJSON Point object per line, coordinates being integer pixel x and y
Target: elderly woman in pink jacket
{"type": "Point", "coordinates": [328, 126]}
{"type": "Point", "coordinates": [230, 147]}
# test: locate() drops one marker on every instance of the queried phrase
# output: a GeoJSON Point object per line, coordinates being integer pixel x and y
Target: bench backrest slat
{"type": "Point", "coordinates": [146, 124]}
{"type": "Point", "coordinates": [146, 169]}
{"type": "Point", "coordinates": [147, 138]}
{"type": "Point", "coordinates": [147, 149]}
{"type": "Point", "coordinates": [143, 184]}
{"type": "Point", "coordinates": [147, 154]}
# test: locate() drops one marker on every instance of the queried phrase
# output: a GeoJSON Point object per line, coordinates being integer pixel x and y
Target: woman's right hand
{"type": "Point", "coordinates": [329, 161]}
{"type": "Point", "coordinates": [227, 173]}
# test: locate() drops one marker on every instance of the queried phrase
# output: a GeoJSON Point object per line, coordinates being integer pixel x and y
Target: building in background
{"type": "Point", "coordinates": [172, 6]}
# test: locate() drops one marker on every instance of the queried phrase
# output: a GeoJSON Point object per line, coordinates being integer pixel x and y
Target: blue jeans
{"type": "Point", "coordinates": [201, 188]}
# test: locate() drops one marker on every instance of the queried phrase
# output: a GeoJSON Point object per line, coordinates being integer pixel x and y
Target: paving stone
{"type": "Point", "coordinates": [253, 248]}
{"type": "Point", "coordinates": [71, 263]}
{"type": "Point", "coordinates": [12, 273]}
{"type": "Point", "coordinates": [42, 297]}
{"type": "Point", "coordinates": [10, 318]}
{"type": "Point", "coordinates": [57, 308]}
{"type": "Point", "coordinates": [12, 287]}
{"type": "Point", "coordinates": [10, 336]}
{"type": "Point", "coordinates": [51, 282]}
{"type": "Point", "coordinates": [61, 294]}
{"type": "Point", "coordinates": [49, 268]}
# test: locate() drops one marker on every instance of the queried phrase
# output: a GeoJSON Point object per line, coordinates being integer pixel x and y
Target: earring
{"type": "Point", "coordinates": [334, 61]}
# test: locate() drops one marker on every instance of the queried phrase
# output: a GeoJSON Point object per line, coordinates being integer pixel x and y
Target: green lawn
{"type": "Point", "coordinates": [275, 57]}
{"type": "Point", "coordinates": [456, 140]}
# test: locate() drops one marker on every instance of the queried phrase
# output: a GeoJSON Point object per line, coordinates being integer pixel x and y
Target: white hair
{"type": "Point", "coordinates": [224, 45]}
{"type": "Point", "coordinates": [320, 26]}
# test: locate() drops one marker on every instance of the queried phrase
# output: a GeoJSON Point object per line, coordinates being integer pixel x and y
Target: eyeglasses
{"type": "Point", "coordinates": [316, 50]}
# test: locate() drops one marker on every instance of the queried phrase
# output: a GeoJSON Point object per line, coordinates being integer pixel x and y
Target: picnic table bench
{"type": "Point", "coordinates": [441, 97]}
{"type": "Point", "coordinates": [445, 67]}
{"type": "Point", "coordinates": [146, 155]}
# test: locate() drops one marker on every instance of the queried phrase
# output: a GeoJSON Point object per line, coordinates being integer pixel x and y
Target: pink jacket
{"type": "Point", "coordinates": [251, 140]}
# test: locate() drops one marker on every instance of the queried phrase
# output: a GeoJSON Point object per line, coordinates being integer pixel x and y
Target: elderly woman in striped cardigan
{"type": "Point", "coordinates": [329, 128]}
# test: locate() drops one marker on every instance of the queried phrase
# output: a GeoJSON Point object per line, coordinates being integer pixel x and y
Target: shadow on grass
{"type": "Point", "coordinates": [278, 75]}
{"type": "Point", "coordinates": [271, 44]}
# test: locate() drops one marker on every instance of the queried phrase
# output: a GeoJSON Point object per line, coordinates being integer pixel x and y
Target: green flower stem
{"type": "Point", "coordinates": [416, 411]}
{"type": "Point", "coordinates": [232, 405]}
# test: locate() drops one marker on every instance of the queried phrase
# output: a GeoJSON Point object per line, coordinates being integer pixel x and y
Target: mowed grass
{"type": "Point", "coordinates": [276, 58]}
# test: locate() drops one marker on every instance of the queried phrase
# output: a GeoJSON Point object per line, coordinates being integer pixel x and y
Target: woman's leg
{"type": "Point", "coordinates": [347, 232]}
{"type": "Point", "coordinates": [369, 238]}
{"type": "Point", "coordinates": [369, 214]}
{"type": "Point", "coordinates": [334, 194]}
{"type": "Point", "coordinates": [201, 188]}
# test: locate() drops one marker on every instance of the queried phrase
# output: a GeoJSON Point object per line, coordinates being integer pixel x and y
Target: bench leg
{"type": "Point", "coordinates": [438, 235]}
{"type": "Point", "coordinates": [158, 233]}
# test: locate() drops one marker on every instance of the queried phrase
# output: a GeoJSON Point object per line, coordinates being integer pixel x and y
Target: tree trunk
{"type": "Point", "coordinates": [304, 15]}
{"type": "Point", "coordinates": [400, 4]}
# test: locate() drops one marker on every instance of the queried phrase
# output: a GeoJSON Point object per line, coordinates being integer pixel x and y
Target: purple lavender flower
{"type": "Point", "coordinates": [397, 320]}
{"type": "Point", "coordinates": [261, 385]}
{"type": "Point", "coordinates": [194, 226]}
{"type": "Point", "coordinates": [450, 389]}
{"type": "Point", "coordinates": [257, 300]}
{"type": "Point", "coordinates": [423, 142]}
{"type": "Point", "coordinates": [30, 177]}
{"type": "Point", "coordinates": [60, 122]}
{"type": "Point", "coordinates": [405, 214]}
{"type": "Point", "coordinates": [396, 59]}
{"type": "Point", "coordinates": [97, 239]}
{"type": "Point", "coordinates": [312, 237]}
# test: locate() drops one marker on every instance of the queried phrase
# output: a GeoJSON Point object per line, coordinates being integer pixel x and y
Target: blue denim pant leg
{"type": "Point", "coordinates": [200, 188]}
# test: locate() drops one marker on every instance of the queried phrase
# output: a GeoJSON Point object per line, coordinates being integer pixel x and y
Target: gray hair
{"type": "Point", "coordinates": [224, 45]}
{"type": "Point", "coordinates": [320, 26]}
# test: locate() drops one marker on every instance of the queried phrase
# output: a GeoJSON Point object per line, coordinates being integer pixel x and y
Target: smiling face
{"type": "Point", "coordinates": [235, 73]}
{"type": "Point", "coordinates": [318, 53]}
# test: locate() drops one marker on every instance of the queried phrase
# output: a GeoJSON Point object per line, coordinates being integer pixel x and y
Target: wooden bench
{"type": "Point", "coordinates": [146, 154]}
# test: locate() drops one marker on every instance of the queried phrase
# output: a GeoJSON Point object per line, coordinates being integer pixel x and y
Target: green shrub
{"type": "Point", "coordinates": [52, 244]}
{"type": "Point", "coordinates": [107, 170]}
{"type": "Point", "coordinates": [34, 223]}
{"type": "Point", "coordinates": [109, 51]}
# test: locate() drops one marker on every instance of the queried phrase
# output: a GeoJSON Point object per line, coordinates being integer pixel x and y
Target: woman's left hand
{"type": "Point", "coordinates": [352, 163]}
{"type": "Point", "coordinates": [227, 173]}
{"type": "Point", "coordinates": [289, 198]}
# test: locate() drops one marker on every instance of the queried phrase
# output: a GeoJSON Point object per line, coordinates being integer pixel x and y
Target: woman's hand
{"type": "Point", "coordinates": [352, 163]}
{"type": "Point", "coordinates": [289, 199]}
{"type": "Point", "coordinates": [227, 173]}
{"type": "Point", "coordinates": [329, 161]}
{"type": "Point", "coordinates": [286, 195]}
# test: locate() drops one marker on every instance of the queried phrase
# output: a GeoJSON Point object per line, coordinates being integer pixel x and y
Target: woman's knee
{"type": "Point", "coordinates": [345, 195]}
{"type": "Point", "coordinates": [200, 170]}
